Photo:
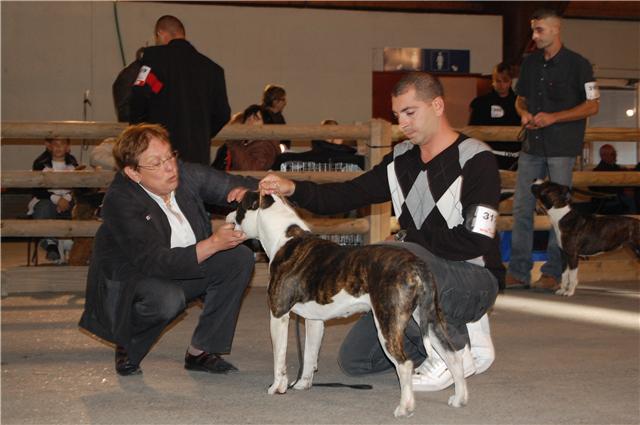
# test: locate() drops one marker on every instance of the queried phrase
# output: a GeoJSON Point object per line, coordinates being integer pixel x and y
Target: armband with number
{"type": "Point", "coordinates": [481, 219]}
{"type": "Point", "coordinates": [591, 90]}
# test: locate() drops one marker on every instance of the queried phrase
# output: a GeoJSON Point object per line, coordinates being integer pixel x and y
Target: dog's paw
{"type": "Point", "coordinates": [560, 291]}
{"type": "Point", "coordinates": [458, 400]}
{"type": "Point", "coordinates": [403, 411]}
{"type": "Point", "coordinates": [278, 387]}
{"type": "Point", "coordinates": [303, 384]}
{"type": "Point", "coordinates": [569, 292]}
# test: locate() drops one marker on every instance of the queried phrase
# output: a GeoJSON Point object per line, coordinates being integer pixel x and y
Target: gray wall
{"type": "Point", "coordinates": [52, 52]}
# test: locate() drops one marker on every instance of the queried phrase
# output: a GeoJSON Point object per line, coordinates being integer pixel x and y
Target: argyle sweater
{"type": "Point", "coordinates": [430, 200]}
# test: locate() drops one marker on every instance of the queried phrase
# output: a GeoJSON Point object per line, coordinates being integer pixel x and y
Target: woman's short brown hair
{"type": "Point", "coordinates": [133, 141]}
{"type": "Point", "coordinates": [272, 93]}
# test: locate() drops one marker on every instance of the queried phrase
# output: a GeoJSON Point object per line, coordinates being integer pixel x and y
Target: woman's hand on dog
{"type": "Point", "coordinates": [273, 184]}
{"type": "Point", "coordinates": [225, 237]}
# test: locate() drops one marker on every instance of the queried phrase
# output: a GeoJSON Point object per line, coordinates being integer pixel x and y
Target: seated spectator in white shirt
{"type": "Point", "coordinates": [53, 203]}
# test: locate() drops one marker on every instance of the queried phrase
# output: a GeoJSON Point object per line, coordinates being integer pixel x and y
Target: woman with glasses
{"type": "Point", "coordinates": [156, 252]}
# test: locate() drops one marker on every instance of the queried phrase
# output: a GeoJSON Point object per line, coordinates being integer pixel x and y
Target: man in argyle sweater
{"type": "Point", "coordinates": [445, 189]}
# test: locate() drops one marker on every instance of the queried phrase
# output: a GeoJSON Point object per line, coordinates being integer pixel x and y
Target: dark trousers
{"type": "Point", "coordinates": [465, 293]}
{"type": "Point", "coordinates": [159, 301]}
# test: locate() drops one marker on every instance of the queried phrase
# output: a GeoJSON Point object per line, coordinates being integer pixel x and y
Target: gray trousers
{"type": "Point", "coordinates": [465, 293]}
{"type": "Point", "coordinates": [159, 301]}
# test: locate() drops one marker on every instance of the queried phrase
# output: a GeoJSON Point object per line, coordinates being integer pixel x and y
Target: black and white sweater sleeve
{"type": "Point", "coordinates": [480, 185]}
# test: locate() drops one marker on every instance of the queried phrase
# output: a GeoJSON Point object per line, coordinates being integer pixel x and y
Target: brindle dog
{"type": "Point", "coordinates": [580, 234]}
{"type": "Point", "coordinates": [321, 280]}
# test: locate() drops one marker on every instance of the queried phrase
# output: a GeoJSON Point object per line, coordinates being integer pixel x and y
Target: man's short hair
{"type": "Point", "coordinates": [171, 25]}
{"type": "Point", "coordinates": [271, 94]}
{"type": "Point", "coordinates": [544, 14]}
{"type": "Point", "coordinates": [606, 147]}
{"type": "Point", "coordinates": [427, 86]}
{"type": "Point", "coordinates": [133, 141]}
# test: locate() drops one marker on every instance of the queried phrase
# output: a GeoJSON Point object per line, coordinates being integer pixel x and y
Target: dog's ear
{"type": "Point", "coordinates": [254, 200]}
{"type": "Point", "coordinates": [536, 186]}
{"type": "Point", "coordinates": [266, 201]}
{"type": "Point", "coordinates": [535, 189]}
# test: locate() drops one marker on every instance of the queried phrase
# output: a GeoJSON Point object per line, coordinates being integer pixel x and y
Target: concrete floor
{"type": "Point", "coordinates": [559, 361]}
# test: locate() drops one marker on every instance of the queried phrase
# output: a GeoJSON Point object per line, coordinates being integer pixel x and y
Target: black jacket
{"type": "Point", "coordinates": [121, 90]}
{"type": "Point", "coordinates": [44, 160]}
{"type": "Point", "coordinates": [185, 92]}
{"type": "Point", "coordinates": [269, 117]}
{"type": "Point", "coordinates": [491, 109]}
{"type": "Point", "coordinates": [134, 242]}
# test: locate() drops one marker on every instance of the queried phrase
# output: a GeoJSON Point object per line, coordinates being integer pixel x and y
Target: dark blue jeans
{"type": "Point", "coordinates": [532, 167]}
{"type": "Point", "coordinates": [465, 293]}
{"type": "Point", "coordinates": [46, 210]}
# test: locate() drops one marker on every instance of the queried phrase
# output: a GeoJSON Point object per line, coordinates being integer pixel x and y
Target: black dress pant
{"type": "Point", "coordinates": [158, 302]}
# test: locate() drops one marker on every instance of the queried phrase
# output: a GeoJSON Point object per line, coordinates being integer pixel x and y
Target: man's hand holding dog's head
{"type": "Point", "coordinates": [273, 184]}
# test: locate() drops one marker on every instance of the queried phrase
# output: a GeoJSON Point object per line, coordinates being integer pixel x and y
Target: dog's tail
{"type": "Point", "coordinates": [429, 311]}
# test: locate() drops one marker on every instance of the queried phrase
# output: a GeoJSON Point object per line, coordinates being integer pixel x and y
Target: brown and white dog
{"type": "Point", "coordinates": [580, 234]}
{"type": "Point", "coordinates": [320, 280]}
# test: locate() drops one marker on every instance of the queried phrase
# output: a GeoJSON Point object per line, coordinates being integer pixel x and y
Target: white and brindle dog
{"type": "Point", "coordinates": [321, 280]}
{"type": "Point", "coordinates": [581, 235]}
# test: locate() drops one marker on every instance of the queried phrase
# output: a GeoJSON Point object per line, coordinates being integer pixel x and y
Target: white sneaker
{"type": "Point", "coordinates": [433, 375]}
{"type": "Point", "coordinates": [482, 349]}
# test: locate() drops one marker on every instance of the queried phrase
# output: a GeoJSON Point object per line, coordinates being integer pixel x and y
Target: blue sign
{"type": "Point", "coordinates": [445, 60]}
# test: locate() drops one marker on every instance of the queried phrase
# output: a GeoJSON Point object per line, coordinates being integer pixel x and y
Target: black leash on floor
{"type": "Point", "coordinates": [326, 384]}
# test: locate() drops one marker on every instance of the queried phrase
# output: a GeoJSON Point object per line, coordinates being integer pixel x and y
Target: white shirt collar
{"type": "Point", "coordinates": [159, 199]}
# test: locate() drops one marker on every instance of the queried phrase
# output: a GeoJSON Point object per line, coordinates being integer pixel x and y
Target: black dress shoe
{"type": "Point", "coordinates": [124, 367]}
{"type": "Point", "coordinates": [208, 362]}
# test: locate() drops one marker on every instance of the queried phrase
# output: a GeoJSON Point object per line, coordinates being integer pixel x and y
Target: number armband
{"type": "Point", "coordinates": [481, 219]}
{"type": "Point", "coordinates": [591, 90]}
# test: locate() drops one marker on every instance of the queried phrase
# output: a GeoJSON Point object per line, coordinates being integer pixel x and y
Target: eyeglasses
{"type": "Point", "coordinates": [156, 163]}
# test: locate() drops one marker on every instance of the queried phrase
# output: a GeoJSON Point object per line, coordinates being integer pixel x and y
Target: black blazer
{"type": "Point", "coordinates": [186, 92]}
{"type": "Point", "coordinates": [134, 241]}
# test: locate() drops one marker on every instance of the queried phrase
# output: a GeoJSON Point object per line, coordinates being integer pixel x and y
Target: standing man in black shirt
{"type": "Point", "coordinates": [556, 93]}
{"type": "Point", "coordinates": [181, 89]}
{"type": "Point", "coordinates": [498, 108]}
